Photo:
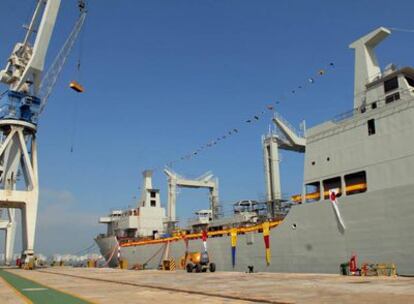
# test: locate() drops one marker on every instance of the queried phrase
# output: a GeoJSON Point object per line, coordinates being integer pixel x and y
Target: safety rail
{"type": "Point", "coordinates": [379, 103]}
{"type": "Point", "coordinates": [299, 133]}
{"type": "Point", "coordinates": [192, 236]}
{"type": "Point", "coordinates": [344, 115]}
{"type": "Point", "coordinates": [316, 195]}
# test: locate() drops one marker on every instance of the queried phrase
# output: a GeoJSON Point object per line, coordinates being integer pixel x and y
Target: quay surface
{"type": "Point", "coordinates": [104, 285]}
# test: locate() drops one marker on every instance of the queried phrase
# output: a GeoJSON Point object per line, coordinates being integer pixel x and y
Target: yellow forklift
{"type": "Point", "coordinates": [199, 262]}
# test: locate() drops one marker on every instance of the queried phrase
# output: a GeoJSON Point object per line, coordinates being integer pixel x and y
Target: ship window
{"type": "Point", "coordinates": [392, 97]}
{"type": "Point", "coordinates": [153, 194]}
{"type": "Point", "coordinates": [153, 203]}
{"type": "Point", "coordinates": [356, 183]}
{"type": "Point", "coordinates": [410, 81]}
{"type": "Point", "coordinates": [331, 184]}
{"type": "Point", "coordinates": [131, 233]}
{"type": "Point", "coordinates": [374, 105]}
{"type": "Point", "coordinates": [391, 84]}
{"type": "Point", "coordinates": [313, 192]}
{"type": "Point", "coordinates": [371, 126]}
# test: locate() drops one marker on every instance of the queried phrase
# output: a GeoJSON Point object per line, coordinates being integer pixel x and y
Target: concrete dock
{"type": "Point", "coordinates": [103, 285]}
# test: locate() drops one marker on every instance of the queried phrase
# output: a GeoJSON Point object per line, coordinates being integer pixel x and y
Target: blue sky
{"type": "Point", "coordinates": [164, 77]}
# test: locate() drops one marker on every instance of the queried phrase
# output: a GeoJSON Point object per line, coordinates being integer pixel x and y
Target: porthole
{"type": "Point", "coordinates": [293, 226]}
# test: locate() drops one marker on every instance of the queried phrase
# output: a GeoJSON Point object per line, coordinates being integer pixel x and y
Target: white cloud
{"type": "Point", "coordinates": [53, 197]}
{"type": "Point", "coordinates": [63, 224]}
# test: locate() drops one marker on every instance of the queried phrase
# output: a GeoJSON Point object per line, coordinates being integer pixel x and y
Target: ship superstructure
{"type": "Point", "coordinates": [145, 220]}
{"type": "Point", "coordinates": [357, 195]}
{"type": "Point", "coordinates": [367, 148]}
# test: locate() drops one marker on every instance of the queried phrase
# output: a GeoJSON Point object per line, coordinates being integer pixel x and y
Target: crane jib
{"type": "Point", "coordinates": [25, 105]}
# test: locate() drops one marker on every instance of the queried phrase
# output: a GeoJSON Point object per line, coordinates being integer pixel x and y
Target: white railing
{"type": "Point", "coordinates": [379, 103]}
{"type": "Point", "coordinates": [298, 133]}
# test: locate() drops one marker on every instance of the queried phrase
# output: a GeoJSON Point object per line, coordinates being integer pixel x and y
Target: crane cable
{"type": "Point", "coordinates": [85, 250]}
{"type": "Point", "coordinates": [51, 76]}
{"type": "Point", "coordinates": [82, 8]}
{"type": "Point", "coordinates": [402, 30]}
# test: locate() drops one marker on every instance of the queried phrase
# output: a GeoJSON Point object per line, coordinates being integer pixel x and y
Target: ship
{"type": "Point", "coordinates": [356, 199]}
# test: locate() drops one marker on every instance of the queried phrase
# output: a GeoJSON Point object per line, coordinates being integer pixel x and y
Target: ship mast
{"type": "Point", "coordinates": [367, 68]}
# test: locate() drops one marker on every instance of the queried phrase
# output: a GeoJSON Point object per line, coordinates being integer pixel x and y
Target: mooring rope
{"type": "Point", "coordinates": [153, 256]}
{"type": "Point", "coordinates": [112, 255]}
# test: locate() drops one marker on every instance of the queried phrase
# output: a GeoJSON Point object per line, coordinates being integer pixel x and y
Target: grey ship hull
{"type": "Point", "coordinates": [379, 229]}
{"type": "Point", "coordinates": [106, 246]}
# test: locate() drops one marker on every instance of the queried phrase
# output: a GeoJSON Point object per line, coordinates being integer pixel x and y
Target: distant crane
{"type": "Point", "coordinates": [20, 108]}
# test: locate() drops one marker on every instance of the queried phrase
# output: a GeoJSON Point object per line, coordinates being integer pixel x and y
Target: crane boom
{"type": "Point", "coordinates": [28, 91]}
{"type": "Point", "coordinates": [26, 63]}
{"type": "Point", "coordinates": [18, 118]}
{"type": "Point", "coordinates": [51, 76]}
{"type": "Point", "coordinates": [19, 112]}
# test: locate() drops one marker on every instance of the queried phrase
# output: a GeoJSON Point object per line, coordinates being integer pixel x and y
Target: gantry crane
{"type": "Point", "coordinates": [206, 180]}
{"type": "Point", "coordinates": [20, 107]}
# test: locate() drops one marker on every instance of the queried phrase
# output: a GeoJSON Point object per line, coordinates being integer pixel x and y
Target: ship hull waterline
{"type": "Point", "coordinates": [379, 229]}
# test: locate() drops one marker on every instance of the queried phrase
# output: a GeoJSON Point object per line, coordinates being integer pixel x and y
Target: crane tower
{"type": "Point", "coordinates": [18, 120]}
{"type": "Point", "coordinates": [20, 107]}
{"type": "Point", "coordinates": [9, 227]}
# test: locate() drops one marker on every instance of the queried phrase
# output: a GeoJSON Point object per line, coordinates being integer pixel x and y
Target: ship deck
{"type": "Point", "coordinates": [103, 285]}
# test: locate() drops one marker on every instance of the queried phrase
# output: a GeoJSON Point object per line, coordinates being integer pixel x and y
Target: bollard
{"type": "Point", "coordinates": [123, 264]}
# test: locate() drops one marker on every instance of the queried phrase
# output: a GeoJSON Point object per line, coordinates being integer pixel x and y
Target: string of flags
{"type": "Point", "coordinates": [263, 112]}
